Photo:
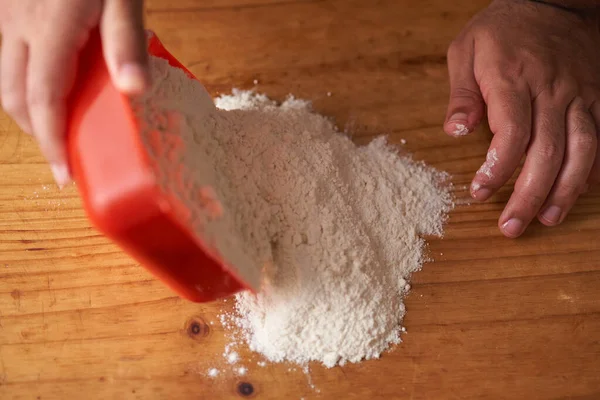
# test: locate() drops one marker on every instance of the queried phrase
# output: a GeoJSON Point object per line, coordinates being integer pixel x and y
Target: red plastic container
{"type": "Point", "coordinates": [119, 189]}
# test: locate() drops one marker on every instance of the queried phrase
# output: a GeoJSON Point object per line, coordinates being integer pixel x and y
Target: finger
{"type": "Point", "coordinates": [50, 75]}
{"type": "Point", "coordinates": [544, 159]}
{"type": "Point", "coordinates": [13, 73]}
{"type": "Point", "coordinates": [580, 153]}
{"type": "Point", "coordinates": [594, 177]}
{"type": "Point", "coordinates": [149, 34]}
{"type": "Point", "coordinates": [124, 43]}
{"type": "Point", "coordinates": [466, 106]}
{"type": "Point", "coordinates": [509, 116]}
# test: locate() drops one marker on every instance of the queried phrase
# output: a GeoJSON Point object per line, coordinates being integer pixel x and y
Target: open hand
{"type": "Point", "coordinates": [537, 69]}
{"type": "Point", "coordinates": [41, 40]}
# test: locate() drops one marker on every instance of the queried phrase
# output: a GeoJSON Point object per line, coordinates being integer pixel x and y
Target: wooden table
{"type": "Point", "coordinates": [490, 318]}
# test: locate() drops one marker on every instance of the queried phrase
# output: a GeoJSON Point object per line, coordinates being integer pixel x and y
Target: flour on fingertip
{"type": "Point", "coordinates": [460, 130]}
{"type": "Point", "coordinates": [490, 162]}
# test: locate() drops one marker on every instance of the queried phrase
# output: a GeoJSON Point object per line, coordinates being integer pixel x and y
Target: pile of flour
{"type": "Point", "coordinates": [327, 231]}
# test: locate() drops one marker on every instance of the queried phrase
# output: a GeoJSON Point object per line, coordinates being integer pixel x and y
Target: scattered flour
{"type": "Point", "coordinates": [329, 232]}
{"type": "Point", "coordinates": [213, 372]}
{"type": "Point", "coordinates": [233, 358]}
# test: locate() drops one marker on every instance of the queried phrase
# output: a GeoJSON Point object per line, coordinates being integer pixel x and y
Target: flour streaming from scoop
{"type": "Point", "coordinates": [328, 230]}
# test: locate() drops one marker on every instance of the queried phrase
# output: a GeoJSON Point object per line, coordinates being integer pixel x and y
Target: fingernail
{"type": "Point", "coordinates": [61, 174]}
{"type": "Point", "coordinates": [513, 227]}
{"type": "Point", "coordinates": [459, 123]}
{"type": "Point", "coordinates": [481, 193]}
{"type": "Point", "coordinates": [132, 78]}
{"type": "Point", "coordinates": [552, 214]}
{"type": "Point", "coordinates": [458, 117]}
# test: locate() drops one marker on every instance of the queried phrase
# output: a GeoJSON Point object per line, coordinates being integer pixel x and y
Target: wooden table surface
{"type": "Point", "coordinates": [489, 318]}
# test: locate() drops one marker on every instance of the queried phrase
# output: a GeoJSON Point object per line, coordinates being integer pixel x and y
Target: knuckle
{"type": "Point", "coordinates": [507, 90]}
{"type": "Point", "coordinates": [560, 91]}
{"type": "Point", "coordinates": [497, 76]}
{"type": "Point", "coordinates": [583, 139]}
{"type": "Point", "coordinates": [508, 95]}
{"type": "Point", "coordinates": [487, 36]}
{"type": "Point", "coordinates": [465, 93]}
{"type": "Point", "coordinates": [513, 68]}
{"type": "Point", "coordinates": [588, 98]}
{"type": "Point", "coordinates": [512, 133]}
{"type": "Point", "coordinates": [551, 152]}
{"type": "Point", "coordinates": [581, 128]}
{"type": "Point", "coordinates": [543, 85]}
{"type": "Point", "coordinates": [530, 56]}
{"type": "Point", "coordinates": [517, 68]}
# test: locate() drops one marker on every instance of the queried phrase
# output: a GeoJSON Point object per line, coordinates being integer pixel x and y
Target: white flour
{"type": "Point", "coordinates": [460, 130]}
{"type": "Point", "coordinates": [329, 231]}
{"type": "Point", "coordinates": [490, 161]}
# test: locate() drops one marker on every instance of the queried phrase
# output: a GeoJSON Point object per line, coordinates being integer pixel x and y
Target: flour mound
{"type": "Point", "coordinates": [329, 231]}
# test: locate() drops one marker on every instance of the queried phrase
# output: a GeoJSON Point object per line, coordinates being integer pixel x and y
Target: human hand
{"type": "Point", "coordinates": [537, 68]}
{"type": "Point", "coordinates": [41, 40]}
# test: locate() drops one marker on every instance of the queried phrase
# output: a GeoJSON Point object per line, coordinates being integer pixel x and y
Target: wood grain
{"type": "Point", "coordinates": [490, 318]}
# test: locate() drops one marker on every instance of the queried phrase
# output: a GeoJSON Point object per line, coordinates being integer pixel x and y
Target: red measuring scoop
{"type": "Point", "coordinates": [119, 189]}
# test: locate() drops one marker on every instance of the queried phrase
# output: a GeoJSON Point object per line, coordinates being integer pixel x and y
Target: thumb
{"type": "Point", "coordinates": [466, 106]}
{"type": "Point", "coordinates": [124, 44]}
